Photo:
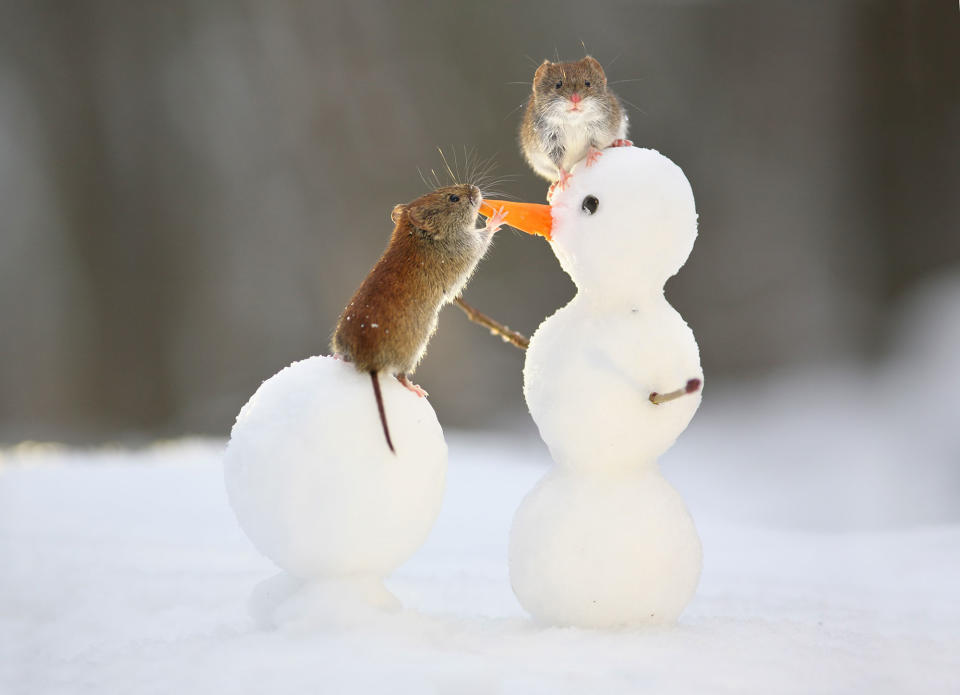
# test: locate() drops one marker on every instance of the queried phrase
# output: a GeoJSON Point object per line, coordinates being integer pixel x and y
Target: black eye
{"type": "Point", "coordinates": [587, 83]}
{"type": "Point", "coordinates": [559, 84]}
{"type": "Point", "coordinates": [454, 198]}
{"type": "Point", "coordinates": [590, 204]}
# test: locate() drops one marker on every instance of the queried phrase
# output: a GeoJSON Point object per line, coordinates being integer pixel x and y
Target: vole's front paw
{"type": "Point", "coordinates": [495, 220]}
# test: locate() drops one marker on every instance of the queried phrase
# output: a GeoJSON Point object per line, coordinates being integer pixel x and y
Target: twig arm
{"type": "Point", "coordinates": [495, 327]}
{"type": "Point", "coordinates": [693, 385]}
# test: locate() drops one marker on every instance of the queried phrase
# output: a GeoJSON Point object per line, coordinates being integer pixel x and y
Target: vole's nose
{"type": "Point", "coordinates": [474, 195]}
{"type": "Point", "coordinates": [575, 97]}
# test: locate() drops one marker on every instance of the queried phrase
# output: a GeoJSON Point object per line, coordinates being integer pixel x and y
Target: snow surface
{"type": "Point", "coordinates": [827, 503]}
{"type": "Point", "coordinates": [127, 572]}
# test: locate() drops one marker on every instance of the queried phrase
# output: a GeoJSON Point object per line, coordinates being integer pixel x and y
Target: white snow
{"type": "Point", "coordinates": [642, 231]}
{"type": "Point", "coordinates": [618, 337]}
{"type": "Point", "coordinates": [315, 486]}
{"type": "Point", "coordinates": [604, 549]}
{"type": "Point", "coordinates": [125, 571]}
{"type": "Point", "coordinates": [604, 540]}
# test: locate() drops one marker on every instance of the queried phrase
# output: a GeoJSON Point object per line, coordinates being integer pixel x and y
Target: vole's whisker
{"type": "Point", "coordinates": [424, 179]}
{"type": "Point", "coordinates": [484, 169]}
{"type": "Point", "coordinates": [494, 193]}
{"type": "Point", "coordinates": [475, 170]}
{"type": "Point", "coordinates": [491, 183]}
{"type": "Point", "coordinates": [469, 160]}
{"type": "Point", "coordinates": [513, 111]}
{"type": "Point", "coordinates": [630, 103]}
{"type": "Point", "coordinates": [453, 178]}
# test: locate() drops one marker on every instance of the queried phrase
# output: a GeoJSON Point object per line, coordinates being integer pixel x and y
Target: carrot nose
{"type": "Point", "coordinates": [531, 218]}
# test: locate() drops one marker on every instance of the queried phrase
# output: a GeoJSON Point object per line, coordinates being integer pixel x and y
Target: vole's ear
{"type": "Point", "coordinates": [421, 222]}
{"type": "Point", "coordinates": [540, 70]}
{"type": "Point", "coordinates": [593, 63]}
{"type": "Point", "coordinates": [397, 213]}
{"type": "Point", "coordinates": [416, 218]}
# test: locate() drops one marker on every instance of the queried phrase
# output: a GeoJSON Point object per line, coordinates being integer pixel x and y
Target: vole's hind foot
{"type": "Point", "coordinates": [593, 155]}
{"type": "Point", "coordinates": [559, 184]}
{"type": "Point", "coordinates": [622, 143]}
{"type": "Point", "coordinates": [409, 385]}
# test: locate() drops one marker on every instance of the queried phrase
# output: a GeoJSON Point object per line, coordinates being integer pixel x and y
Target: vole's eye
{"type": "Point", "coordinates": [590, 204]}
{"type": "Point", "coordinates": [587, 83]}
{"type": "Point", "coordinates": [559, 84]}
{"type": "Point", "coordinates": [454, 198]}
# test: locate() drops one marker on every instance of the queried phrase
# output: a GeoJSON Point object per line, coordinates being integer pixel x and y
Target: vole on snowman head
{"type": "Point", "coordinates": [572, 113]}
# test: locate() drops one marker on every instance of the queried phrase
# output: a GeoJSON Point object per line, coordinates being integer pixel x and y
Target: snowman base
{"type": "Point", "coordinates": [296, 605]}
{"type": "Point", "coordinates": [601, 550]}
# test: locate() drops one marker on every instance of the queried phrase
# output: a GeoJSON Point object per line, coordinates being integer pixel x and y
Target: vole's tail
{"type": "Point", "coordinates": [383, 415]}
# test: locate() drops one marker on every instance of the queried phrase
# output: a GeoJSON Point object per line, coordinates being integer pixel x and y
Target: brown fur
{"type": "Point", "coordinates": [434, 248]}
{"type": "Point", "coordinates": [432, 251]}
{"type": "Point", "coordinates": [549, 144]}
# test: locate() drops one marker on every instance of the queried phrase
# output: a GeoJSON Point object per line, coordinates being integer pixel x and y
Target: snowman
{"type": "Point", "coordinates": [317, 491]}
{"type": "Point", "coordinates": [611, 381]}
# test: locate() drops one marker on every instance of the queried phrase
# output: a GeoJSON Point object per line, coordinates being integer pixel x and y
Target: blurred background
{"type": "Point", "coordinates": [190, 191]}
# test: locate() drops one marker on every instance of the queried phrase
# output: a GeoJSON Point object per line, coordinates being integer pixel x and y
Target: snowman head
{"type": "Point", "coordinates": [625, 224]}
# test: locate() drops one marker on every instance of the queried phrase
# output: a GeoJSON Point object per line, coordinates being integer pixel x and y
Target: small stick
{"type": "Point", "coordinates": [496, 328]}
{"type": "Point", "coordinates": [692, 386]}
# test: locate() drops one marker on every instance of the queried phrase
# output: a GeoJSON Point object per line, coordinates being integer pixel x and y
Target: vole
{"type": "Point", "coordinates": [571, 114]}
{"type": "Point", "coordinates": [433, 250]}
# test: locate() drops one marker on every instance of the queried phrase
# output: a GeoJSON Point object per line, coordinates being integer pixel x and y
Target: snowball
{"type": "Point", "coordinates": [604, 550]}
{"type": "Point", "coordinates": [643, 228]}
{"type": "Point", "coordinates": [588, 377]}
{"type": "Point", "coordinates": [313, 483]}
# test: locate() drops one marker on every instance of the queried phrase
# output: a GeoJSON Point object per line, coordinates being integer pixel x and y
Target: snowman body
{"type": "Point", "coordinates": [590, 399]}
{"type": "Point", "coordinates": [604, 540]}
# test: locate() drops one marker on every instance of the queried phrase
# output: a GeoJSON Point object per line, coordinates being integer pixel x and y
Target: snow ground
{"type": "Point", "coordinates": [134, 579]}
{"type": "Point", "coordinates": [828, 504]}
